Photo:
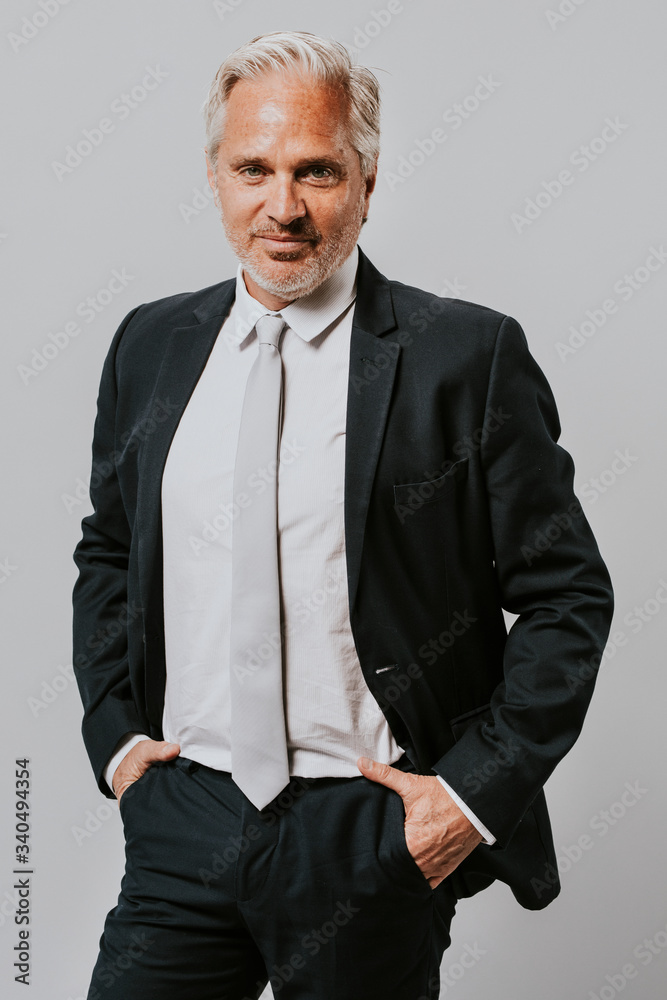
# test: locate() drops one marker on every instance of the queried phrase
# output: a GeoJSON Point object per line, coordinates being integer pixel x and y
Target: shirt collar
{"type": "Point", "coordinates": [308, 316]}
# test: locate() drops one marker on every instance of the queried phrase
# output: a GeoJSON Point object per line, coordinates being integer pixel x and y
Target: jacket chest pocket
{"type": "Point", "coordinates": [409, 498]}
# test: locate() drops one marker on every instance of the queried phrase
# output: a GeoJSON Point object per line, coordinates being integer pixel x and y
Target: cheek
{"type": "Point", "coordinates": [334, 215]}
{"type": "Point", "coordinates": [238, 204]}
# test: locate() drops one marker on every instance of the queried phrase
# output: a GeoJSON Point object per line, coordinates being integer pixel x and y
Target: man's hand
{"type": "Point", "coordinates": [437, 833]}
{"type": "Point", "coordinates": [137, 761]}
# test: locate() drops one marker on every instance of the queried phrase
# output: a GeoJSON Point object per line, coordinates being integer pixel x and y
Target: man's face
{"type": "Point", "coordinates": [289, 185]}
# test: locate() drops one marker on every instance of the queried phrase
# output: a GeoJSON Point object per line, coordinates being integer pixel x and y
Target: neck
{"type": "Point", "coordinates": [267, 299]}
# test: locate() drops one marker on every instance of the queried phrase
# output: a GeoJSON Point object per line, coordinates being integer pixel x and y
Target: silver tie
{"type": "Point", "coordinates": [258, 738]}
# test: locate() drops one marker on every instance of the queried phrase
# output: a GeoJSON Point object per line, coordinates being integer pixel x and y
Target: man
{"type": "Point", "coordinates": [314, 492]}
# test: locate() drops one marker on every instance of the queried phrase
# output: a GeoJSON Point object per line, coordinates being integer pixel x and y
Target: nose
{"type": "Point", "coordinates": [284, 203]}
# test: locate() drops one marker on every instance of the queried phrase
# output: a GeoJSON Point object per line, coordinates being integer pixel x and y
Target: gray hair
{"type": "Point", "coordinates": [325, 60]}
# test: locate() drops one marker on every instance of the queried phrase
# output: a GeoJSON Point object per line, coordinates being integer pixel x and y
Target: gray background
{"type": "Point", "coordinates": [448, 228]}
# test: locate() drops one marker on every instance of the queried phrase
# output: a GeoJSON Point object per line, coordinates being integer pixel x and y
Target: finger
{"type": "Point", "coordinates": [143, 755]}
{"type": "Point", "coordinates": [385, 774]}
{"type": "Point", "coordinates": [149, 751]}
{"type": "Point", "coordinates": [138, 761]}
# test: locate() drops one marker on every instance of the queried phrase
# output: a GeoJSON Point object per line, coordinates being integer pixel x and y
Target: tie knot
{"type": "Point", "coordinates": [269, 329]}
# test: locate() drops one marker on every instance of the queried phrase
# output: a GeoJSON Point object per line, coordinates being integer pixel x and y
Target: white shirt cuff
{"type": "Point", "coordinates": [123, 747]}
{"type": "Point", "coordinates": [488, 838]}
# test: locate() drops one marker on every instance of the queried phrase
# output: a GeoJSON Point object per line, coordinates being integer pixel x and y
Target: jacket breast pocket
{"type": "Point", "coordinates": [422, 494]}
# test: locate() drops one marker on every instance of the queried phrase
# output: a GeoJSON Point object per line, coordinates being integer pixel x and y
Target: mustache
{"type": "Point", "coordinates": [297, 229]}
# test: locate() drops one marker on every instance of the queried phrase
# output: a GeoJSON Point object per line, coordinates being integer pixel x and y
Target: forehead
{"type": "Point", "coordinates": [293, 110]}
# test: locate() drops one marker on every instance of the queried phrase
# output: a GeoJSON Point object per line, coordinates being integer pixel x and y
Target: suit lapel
{"type": "Point", "coordinates": [370, 383]}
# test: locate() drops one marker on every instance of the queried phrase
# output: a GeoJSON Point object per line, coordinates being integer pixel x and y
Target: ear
{"type": "Point", "coordinates": [212, 179]}
{"type": "Point", "coordinates": [370, 187]}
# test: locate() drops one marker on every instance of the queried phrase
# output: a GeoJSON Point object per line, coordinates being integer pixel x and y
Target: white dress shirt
{"type": "Point", "coordinates": [332, 717]}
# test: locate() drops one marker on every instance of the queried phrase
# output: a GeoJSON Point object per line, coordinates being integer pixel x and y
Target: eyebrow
{"type": "Point", "coordinates": [261, 161]}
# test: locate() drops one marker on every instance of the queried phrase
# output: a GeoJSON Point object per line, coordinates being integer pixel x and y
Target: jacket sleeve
{"type": "Point", "coordinates": [100, 598]}
{"type": "Point", "coordinates": [550, 573]}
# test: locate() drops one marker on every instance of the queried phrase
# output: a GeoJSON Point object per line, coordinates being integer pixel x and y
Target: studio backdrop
{"type": "Point", "coordinates": [523, 167]}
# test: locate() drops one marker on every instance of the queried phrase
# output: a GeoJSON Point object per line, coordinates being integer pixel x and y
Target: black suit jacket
{"type": "Point", "coordinates": [458, 503]}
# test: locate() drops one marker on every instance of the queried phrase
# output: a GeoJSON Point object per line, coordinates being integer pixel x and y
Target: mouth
{"type": "Point", "coordinates": [285, 243]}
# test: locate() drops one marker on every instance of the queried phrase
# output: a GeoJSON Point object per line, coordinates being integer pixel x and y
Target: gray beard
{"type": "Point", "coordinates": [310, 274]}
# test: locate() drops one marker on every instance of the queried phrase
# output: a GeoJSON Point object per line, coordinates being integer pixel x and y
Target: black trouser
{"type": "Point", "coordinates": [317, 893]}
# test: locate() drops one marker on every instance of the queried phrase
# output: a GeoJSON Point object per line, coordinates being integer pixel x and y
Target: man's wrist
{"type": "Point", "coordinates": [487, 836]}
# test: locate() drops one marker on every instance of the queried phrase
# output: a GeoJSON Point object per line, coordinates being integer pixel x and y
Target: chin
{"type": "Point", "coordinates": [288, 280]}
